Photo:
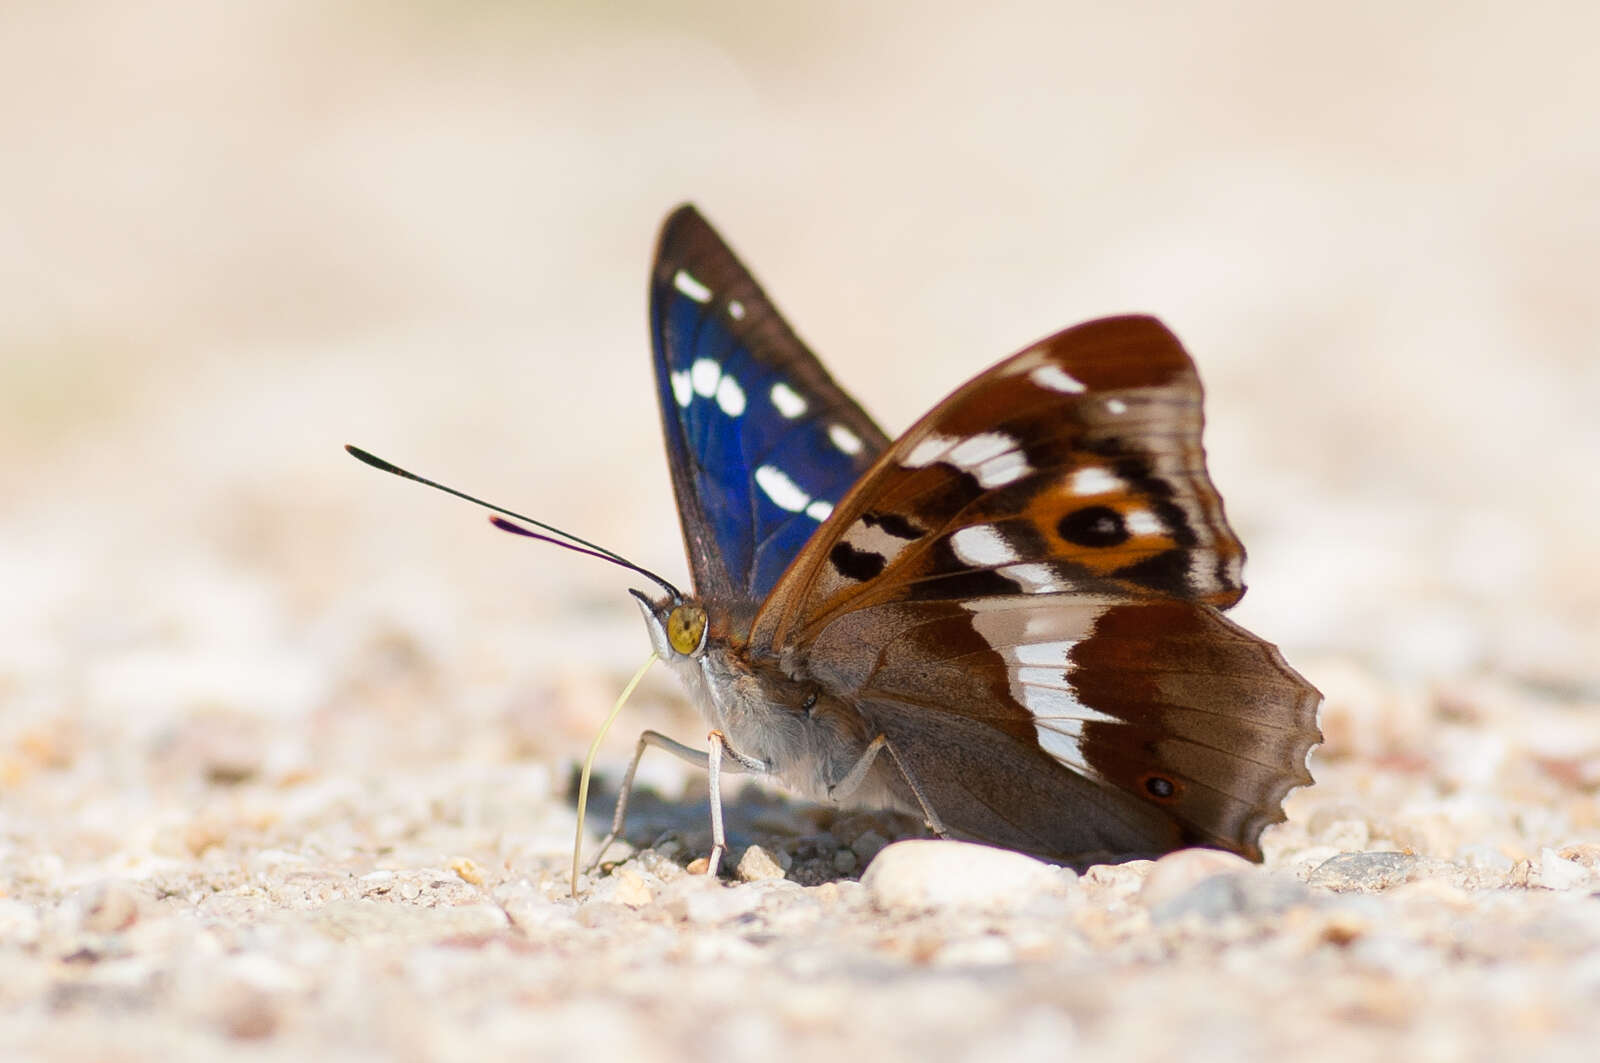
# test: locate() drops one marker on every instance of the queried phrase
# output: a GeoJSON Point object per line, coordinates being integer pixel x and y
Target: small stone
{"type": "Point", "coordinates": [921, 875]}
{"type": "Point", "coordinates": [663, 868]}
{"type": "Point", "coordinates": [1585, 853]}
{"type": "Point", "coordinates": [1177, 872]}
{"type": "Point", "coordinates": [109, 908]}
{"type": "Point", "coordinates": [529, 909]}
{"type": "Point", "coordinates": [1558, 873]}
{"type": "Point", "coordinates": [466, 870]}
{"type": "Point", "coordinates": [1365, 871]}
{"type": "Point", "coordinates": [868, 845]}
{"type": "Point", "coordinates": [1116, 881]}
{"type": "Point", "coordinates": [844, 861]}
{"type": "Point", "coordinates": [757, 864]}
{"type": "Point", "coordinates": [699, 865]}
{"type": "Point", "coordinates": [706, 901]}
{"type": "Point", "coordinates": [632, 890]}
{"type": "Point", "coordinates": [1239, 893]}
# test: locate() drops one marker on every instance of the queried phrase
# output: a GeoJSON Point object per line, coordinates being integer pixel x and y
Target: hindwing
{"type": "Point", "coordinates": [1070, 725]}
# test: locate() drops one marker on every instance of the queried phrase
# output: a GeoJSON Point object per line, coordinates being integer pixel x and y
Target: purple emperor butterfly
{"type": "Point", "coordinates": [1007, 622]}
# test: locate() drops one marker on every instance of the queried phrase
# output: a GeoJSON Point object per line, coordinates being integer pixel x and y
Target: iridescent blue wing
{"type": "Point", "coordinates": [761, 441]}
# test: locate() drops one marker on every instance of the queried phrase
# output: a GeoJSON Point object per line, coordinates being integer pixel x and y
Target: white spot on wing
{"type": "Point", "coordinates": [736, 309]}
{"type": "Point", "coordinates": [1093, 480]}
{"type": "Point", "coordinates": [874, 540]}
{"type": "Point", "coordinates": [787, 401]}
{"type": "Point", "coordinates": [928, 451]}
{"type": "Point", "coordinates": [997, 472]}
{"type": "Point", "coordinates": [1036, 578]}
{"type": "Point", "coordinates": [982, 544]}
{"type": "Point", "coordinates": [1055, 378]}
{"type": "Point", "coordinates": [978, 449]}
{"type": "Point", "coordinates": [1116, 406]}
{"type": "Point", "coordinates": [730, 396]}
{"type": "Point", "coordinates": [1142, 522]}
{"type": "Point", "coordinates": [784, 492]}
{"type": "Point", "coordinates": [819, 510]}
{"type": "Point", "coordinates": [1064, 748]}
{"type": "Point", "coordinates": [1044, 677]}
{"type": "Point", "coordinates": [684, 281]}
{"type": "Point", "coordinates": [1057, 703]}
{"type": "Point", "coordinates": [1043, 653]}
{"type": "Point", "coordinates": [844, 439]}
{"type": "Point", "coordinates": [704, 374]}
{"type": "Point", "coordinates": [682, 387]}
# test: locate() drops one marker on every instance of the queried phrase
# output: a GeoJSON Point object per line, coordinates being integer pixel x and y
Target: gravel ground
{"type": "Point", "coordinates": [287, 748]}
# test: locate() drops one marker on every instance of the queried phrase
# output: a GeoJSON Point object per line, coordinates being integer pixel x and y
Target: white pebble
{"type": "Point", "coordinates": [1176, 872]}
{"type": "Point", "coordinates": [922, 875]}
{"type": "Point", "coordinates": [1557, 873]}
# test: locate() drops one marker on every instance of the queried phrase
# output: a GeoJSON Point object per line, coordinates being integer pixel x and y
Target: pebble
{"type": "Point", "coordinates": [632, 890]}
{"type": "Point", "coordinates": [1371, 871]}
{"type": "Point", "coordinates": [1237, 893]}
{"type": "Point", "coordinates": [108, 908]}
{"type": "Point", "coordinates": [1557, 873]}
{"type": "Point", "coordinates": [757, 864]}
{"type": "Point", "coordinates": [921, 875]}
{"type": "Point", "coordinates": [706, 901]}
{"type": "Point", "coordinates": [868, 845]}
{"type": "Point", "coordinates": [1177, 872]}
{"type": "Point", "coordinates": [1111, 882]}
{"type": "Point", "coordinates": [529, 908]}
{"type": "Point", "coordinates": [467, 870]}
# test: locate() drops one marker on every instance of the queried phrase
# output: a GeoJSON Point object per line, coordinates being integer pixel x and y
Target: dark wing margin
{"type": "Point", "coordinates": [761, 441]}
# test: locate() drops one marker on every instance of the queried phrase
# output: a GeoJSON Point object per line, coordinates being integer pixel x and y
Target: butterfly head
{"type": "Point", "coordinates": [678, 625]}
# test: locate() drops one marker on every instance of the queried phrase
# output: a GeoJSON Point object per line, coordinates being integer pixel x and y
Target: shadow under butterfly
{"type": "Point", "coordinates": [1008, 621]}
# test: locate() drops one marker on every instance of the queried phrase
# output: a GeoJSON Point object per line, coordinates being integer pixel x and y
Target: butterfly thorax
{"type": "Point", "coordinates": [805, 736]}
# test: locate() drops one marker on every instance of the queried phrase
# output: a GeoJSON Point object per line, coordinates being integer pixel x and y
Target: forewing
{"type": "Point", "coordinates": [1074, 466]}
{"type": "Point", "coordinates": [761, 442]}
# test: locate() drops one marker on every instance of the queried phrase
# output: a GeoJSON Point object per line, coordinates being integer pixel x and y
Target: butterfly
{"type": "Point", "coordinates": [1008, 621]}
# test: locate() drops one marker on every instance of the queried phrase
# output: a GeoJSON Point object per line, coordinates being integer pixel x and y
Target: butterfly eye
{"type": "Point", "coordinates": [686, 628]}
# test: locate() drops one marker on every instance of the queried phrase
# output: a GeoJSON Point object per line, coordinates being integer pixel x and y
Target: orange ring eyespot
{"type": "Point", "coordinates": [686, 628]}
{"type": "Point", "coordinates": [1161, 787]}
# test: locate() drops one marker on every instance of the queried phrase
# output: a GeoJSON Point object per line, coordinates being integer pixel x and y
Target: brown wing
{"type": "Point", "coordinates": [1022, 595]}
{"type": "Point", "coordinates": [1074, 466]}
{"type": "Point", "coordinates": [1076, 727]}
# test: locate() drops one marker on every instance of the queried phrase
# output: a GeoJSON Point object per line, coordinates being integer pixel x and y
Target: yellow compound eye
{"type": "Point", "coordinates": [686, 628]}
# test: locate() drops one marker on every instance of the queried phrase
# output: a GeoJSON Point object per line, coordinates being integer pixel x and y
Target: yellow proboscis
{"type": "Point", "coordinates": [588, 763]}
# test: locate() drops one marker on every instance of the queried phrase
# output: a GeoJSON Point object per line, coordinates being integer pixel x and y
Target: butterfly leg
{"type": "Point", "coordinates": [718, 745]}
{"type": "Point", "coordinates": [852, 780]}
{"type": "Point", "coordinates": [708, 762]}
{"type": "Point", "coordinates": [646, 740]}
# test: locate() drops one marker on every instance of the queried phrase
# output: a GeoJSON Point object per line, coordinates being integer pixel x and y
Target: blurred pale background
{"type": "Point", "coordinates": [237, 236]}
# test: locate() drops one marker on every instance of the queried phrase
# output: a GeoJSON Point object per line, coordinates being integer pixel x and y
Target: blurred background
{"type": "Point", "coordinates": [238, 236]}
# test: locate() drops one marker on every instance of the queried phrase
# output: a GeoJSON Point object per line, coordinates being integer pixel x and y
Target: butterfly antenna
{"type": "Point", "coordinates": [558, 537]}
